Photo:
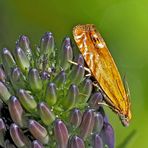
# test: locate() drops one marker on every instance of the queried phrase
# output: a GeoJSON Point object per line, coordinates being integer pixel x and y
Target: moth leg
{"type": "Point", "coordinates": [95, 84]}
{"type": "Point", "coordinates": [74, 63]}
{"type": "Point", "coordinates": [103, 103]}
{"type": "Point", "coordinates": [109, 103]}
{"type": "Point", "coordinates": [88, 75]}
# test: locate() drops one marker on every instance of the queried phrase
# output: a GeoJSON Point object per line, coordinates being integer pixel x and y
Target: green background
{"type": "Point", "coordinates": [122, 23]}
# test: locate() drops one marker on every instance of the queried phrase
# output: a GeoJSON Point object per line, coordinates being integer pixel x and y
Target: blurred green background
{"type": "Point", "coordinates": [122, 23]}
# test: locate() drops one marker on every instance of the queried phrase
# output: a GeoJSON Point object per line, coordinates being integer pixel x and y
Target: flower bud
{"type": "Point", "coordinates": [77, 74]}
{"type": "Point", "coordinates": [16, 111]}
{"type": "Point", "coordinates": [80, 60]}
{"type": "Point", "coordinates": [47, 43]}
{"type": "Point", "coordinates": [1, 107]}
{"type": "Point", "coordinates": [71, 98]}
{"type": "Point", "coordinates": [27, 100]}
{"type": "Point", "coordinates": [85, 90]}
{"type": "Point", "coordinates": [38, 131]}
{"type": "Point", "coordinates": [87, 123]}
{"type": "Point", "coordinates": [2, 132]}
{"type": "Point", "coordinates": [18, 137]}
{"type": "Point", "coordinates": [47, 116]}
{"type": "Point", "coordinates": [8, 60]}
{"type": "Point", "coordinates": [95, 99]}
{"type": "Point", "coordinates": [34, 80]}
{"type": "Point", "coordinates": [75, 117]}
{"type": "Point", "coordinates": [98, 124]}
{"type": "Point", "coordinates": [66, 54]}
{"type": "Point", "coordinates": [45, 75]}
{"type": "Point", "coordinates": [24, 43]}
{"type": "Point", "coordinates": [8, 144]}
{"type": "Point", "coordinates": [4, 93]}
{"type": "Point", "coordinates": [107, 135]}
{"type": "Point", "coordinates": [51, 94]}
{"type": "Point", "coordinates": [17, 78]}
{"type": "Point", "coordinates": [16, 73]}
{"type": "Point", "coordinates": [2, 74]}
{"type": "Point", "coordinates": [2, 125]}
{"type": "Point", "coordinates": [61, 134]}
{"type": "Point", "coordinates": [76, 142]}
{"type": "Point", "coordinates": [97, 141]}
{"type": "Point", "coordinates": [37, 144]}
{"type": "Point", "coordinates": [66, 41]}
{"type": "Point", "coordinates": [60, 79]}
{"type": "Point", "coordinates": [21, 59]}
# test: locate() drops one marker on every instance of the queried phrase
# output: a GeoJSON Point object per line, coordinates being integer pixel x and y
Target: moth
{"type": "Point", "coordinates": [103, 69]}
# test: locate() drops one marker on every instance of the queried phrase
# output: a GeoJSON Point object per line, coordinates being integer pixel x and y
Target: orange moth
{"type": "Point", "coordinates": [104, 70]}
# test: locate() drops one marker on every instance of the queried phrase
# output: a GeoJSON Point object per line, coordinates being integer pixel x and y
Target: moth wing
{"type": "Point", "coordinates": [110, 80]}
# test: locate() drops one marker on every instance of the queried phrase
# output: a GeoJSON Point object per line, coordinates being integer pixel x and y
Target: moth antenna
{"type": "Point", "coordinates": [126, 86]}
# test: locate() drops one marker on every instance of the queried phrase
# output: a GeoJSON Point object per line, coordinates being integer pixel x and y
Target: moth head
{"type": "Point", "coordinates": [80, 30]}
{"type": "Point", "coordinates": [125, 118]}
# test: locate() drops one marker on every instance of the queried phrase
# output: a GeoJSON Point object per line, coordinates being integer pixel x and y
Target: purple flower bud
{"type": "Point", "coordinates": [97, 141]}
{"type": "Point", "coordinates": [37, 144]}
{"type": "Point", "coordinates": [101, 110]}
{"type": "Point", "coordinates": [45, 75]}
{"type": "Point", "coordinates": [80, 60]}
{"type": "Point", "coordinates": [2, 125]}
{"type": "Point", "coordinates": [17, 78]}
{"type": "Point", "coordinates": [16, 111]}
{"type": "Point", "coordinates": [8, 60]}
{"type": "Point", "coordinates": [85, 90]}
{"type": "Point", "coordinates": [95, 99]}
{"type": "Point", "coordinates": [77, 74]}
{"type": "Point", "coordinates": [107, 135]}
{"type": "Point", "coordinates": [66, 54]}
{"type": "Point", "coordinates": [16, 73]}
{"type": "Point", "coordinates": [1, 107]}
{"type": "Point", "coordinates": [87, 123]}
{"type": "Point", "coordinates": [76, 142]}
{"type": "Point", "coordinates": [51, 94]}
{"type": "Point", "coordinates": [34, 80]}
{"type": "Point", "coordinates": [27, 100]}
{"type": "Point", "coordinates": [21, 59]}
{"type": "Point", "coordinates": [47, 43]}
{"type": "Point", "coordinates": [18, 137]}
{"type": "Point", "coordinates": [38, 131]}
{"type": "Point", "coordinates": [60, 79]}
{"type": "Point", "coordinates": [4, 93]}
{"type": "Point", "coordinates": [47, 116]}
{"type": "Point", "coordinates": [66, 42]}
{"type": "Point", "coordinates": [75, 117]}
{"type": "Point", "coordinates": [2, 132]}
{"type": "Point", "coordinates": [24, 43]}
{"type": "Point", "coordinates": [2, 74]}
{"type": "Point", "coordinates": [98, 125]}
{"type": "Point", "coordinates": [61, 134]}
{"type": "Point", "coordinates": [8, 144]}
{"type": "Point", "coordinates": [71, 98]}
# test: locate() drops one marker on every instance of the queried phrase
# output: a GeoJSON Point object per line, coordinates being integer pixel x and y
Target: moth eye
{"type": "Point", "coordinates": [97, 43]}
{"type": "Point", "coordinates": [94, 39]}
